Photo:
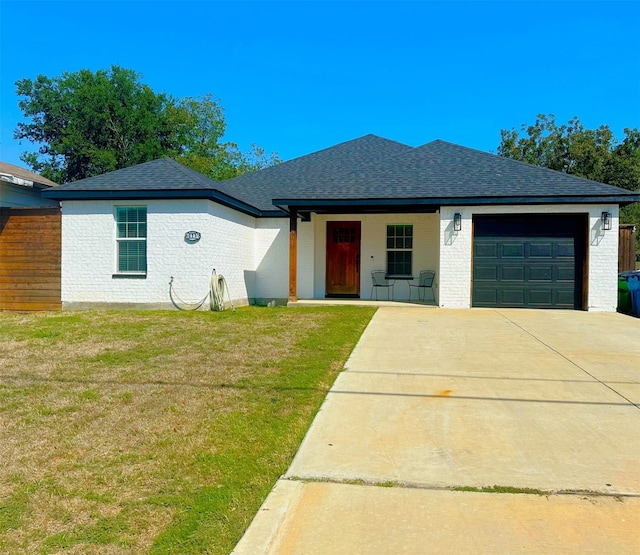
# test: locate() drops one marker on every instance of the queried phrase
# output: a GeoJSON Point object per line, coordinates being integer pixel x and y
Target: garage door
{"type": "Point", "coordinates": [529, 261]}
{"type": "Point", "coordinates": [30, 243]}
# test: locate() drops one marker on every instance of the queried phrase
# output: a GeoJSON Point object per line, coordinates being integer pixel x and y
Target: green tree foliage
{"type": "Point", "coordinates": [591, 153]}
{"type": "Point", "coordinates": [88, 123]}
{"type": "Point", "coordinates": [200, 126]}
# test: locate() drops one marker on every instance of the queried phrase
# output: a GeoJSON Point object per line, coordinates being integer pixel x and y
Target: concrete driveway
{"type": "Point", "coordinates": [431, 400]}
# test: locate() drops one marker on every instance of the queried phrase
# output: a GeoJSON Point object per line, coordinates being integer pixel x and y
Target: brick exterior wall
{"type": "Point", "coordinates": [253, 254]}
{"type": "Point", "coordinates": [456, 252]}
{"type": "Point", "coordinates": [272, 260]}
{"type": "Point", "coordinates": [89, 253]}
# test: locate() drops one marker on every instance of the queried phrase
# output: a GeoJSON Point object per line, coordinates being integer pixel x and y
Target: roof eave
{"type": "Point", "coordinates": [155, 194]}
{"type": "Point", "coordinates": [26, 184]}
{"type": "Point", "coordinates": [547, 199]}
{"type": "Point", "coordinates": [378, 203]}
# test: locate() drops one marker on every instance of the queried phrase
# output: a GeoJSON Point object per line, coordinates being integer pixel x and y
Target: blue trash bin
{"type": "Point", "coordinates": [633, 284]}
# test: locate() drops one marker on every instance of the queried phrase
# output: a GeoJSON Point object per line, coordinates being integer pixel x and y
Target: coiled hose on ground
{"type": "Point", "coordinates": [217, 285]}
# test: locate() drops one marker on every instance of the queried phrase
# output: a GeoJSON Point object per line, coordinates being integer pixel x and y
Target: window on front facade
{"type": "Point", "coordinates": [131, 236]}
{"type": "Point", "coordinates": [399, 250]}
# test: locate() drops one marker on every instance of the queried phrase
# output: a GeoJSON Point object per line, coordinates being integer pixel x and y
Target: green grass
{"type": "Point", "coordinates": [156, 432]}
{"type": "Point", "coordinates": [501, 489]}
{"type": "Point", "coordinates": [536, 491]}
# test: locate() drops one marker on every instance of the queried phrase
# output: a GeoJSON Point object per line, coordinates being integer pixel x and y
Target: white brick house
{"type": "Point", "coordinates": [496, 232]}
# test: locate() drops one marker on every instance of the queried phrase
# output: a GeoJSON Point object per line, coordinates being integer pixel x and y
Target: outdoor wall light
{"type": "Point", "coordinates": [606, 221]}
{"type": "Point", "coordinates": [457, 221]}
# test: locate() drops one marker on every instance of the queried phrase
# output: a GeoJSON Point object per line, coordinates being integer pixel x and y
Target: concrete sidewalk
{"type": "Point", "coordinates": [437, 399]}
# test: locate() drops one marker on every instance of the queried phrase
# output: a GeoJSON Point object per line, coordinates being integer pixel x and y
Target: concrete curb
{"type": "Point", "coordinates": [269, 523]}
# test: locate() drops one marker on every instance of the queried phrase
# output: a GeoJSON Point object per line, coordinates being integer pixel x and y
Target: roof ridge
{"type": "Point", "coordinates": [456, 145]}
{"type": "Point", "coordinates": [387, 158]}
{"type": "Point", "coordinates": [386, 139]}
{"type": "Point", "coordinates": [313, 155]}
{"type": "Point", "coordinates": [198, 178]}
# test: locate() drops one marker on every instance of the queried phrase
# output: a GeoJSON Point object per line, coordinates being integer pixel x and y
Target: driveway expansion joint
{"type": "Point", "coordinates": [496, 489]}
{"type": "Point", "coordinates": [636, 405]}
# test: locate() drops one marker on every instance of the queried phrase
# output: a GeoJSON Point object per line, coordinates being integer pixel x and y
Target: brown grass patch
{"type": "Point", "coordinates": [105, 416]}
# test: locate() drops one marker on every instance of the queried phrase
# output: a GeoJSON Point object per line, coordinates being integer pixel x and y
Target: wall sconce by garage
{"type": "Point", "coordinates": [606, 221]}
{"type": "Point", "coordinates": [457, 221]}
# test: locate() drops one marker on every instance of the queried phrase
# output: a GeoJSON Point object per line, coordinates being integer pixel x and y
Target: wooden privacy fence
{"type": "Point", "coordinates": [627, 248]}
{"type": "Point", "coordinates": [30, 251]}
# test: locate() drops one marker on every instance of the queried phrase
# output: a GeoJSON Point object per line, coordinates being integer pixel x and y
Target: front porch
{"type": "Point", "coordinates": [362, 302]}
{"type": "Point", "coordinates": [339, 253]}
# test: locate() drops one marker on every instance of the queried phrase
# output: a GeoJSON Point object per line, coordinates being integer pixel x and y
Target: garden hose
{"type": "Point", "coordinates": [217, 285]}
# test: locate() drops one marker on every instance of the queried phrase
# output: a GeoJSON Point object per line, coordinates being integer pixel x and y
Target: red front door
{"type": "Point", "coordinates": [343, 259]}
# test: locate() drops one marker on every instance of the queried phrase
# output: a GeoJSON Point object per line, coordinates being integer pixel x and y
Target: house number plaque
{"type": "Point", "coordinates": [192, 236]}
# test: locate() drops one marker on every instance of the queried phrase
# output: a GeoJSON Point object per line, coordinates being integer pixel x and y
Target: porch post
{"type": "Point", "coordinates": [293, 255]}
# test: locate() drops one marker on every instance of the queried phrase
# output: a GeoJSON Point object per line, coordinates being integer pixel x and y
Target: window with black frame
{"type": "Point", "coordinates": [399, 250]}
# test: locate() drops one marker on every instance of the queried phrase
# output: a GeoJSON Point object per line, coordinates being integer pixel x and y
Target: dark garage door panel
{"type": "Point", "coordinates": [528, 261]}
{"type": "Point", "coordinates": [517, 297]}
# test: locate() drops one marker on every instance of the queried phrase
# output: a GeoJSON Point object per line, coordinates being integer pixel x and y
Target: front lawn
{"type": "Point", "coordinates": [155, 432]}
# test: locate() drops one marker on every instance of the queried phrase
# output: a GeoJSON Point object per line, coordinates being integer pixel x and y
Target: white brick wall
{"type": "Point", "coordinates": [89, 252]}
{"type": "Point", "coordinates": [456, 252]}
{"type": "Point", "coordinates": [272, 259]}
{"type": "Point", "coordinates": [306, 259]}
{"type": "Point", "coordinates": [455, 259]}
{"type": "Point", "coordinates": [603, 260]}
{"type": "Point", "coordinates": [253, 254]}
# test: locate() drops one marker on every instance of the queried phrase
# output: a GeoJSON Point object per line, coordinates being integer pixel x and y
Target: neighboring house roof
{"type": "Point", "coordinates": [369, 173]}
{"type": "Point", "coordinates": [21, 176]}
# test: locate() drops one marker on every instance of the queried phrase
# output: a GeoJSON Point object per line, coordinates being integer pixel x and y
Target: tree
{"type": "Point", "coordinates": [89, 123]}
{"type": "Point", "coordinates": [624, 170]}
{"type": "Point", "coordinates": [200, 125]}
{"type": "Point", "coordinates": [594, 154]}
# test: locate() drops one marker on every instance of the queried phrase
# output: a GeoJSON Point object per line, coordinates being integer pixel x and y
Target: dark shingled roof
{"type": "Point", "coordinates": [321, 173]}
{"type": "Point", "coordinates": [362, 172]}
{"type": "Point", "coordinates": [163, 173]}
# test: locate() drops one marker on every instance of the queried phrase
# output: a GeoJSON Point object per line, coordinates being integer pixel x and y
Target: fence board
{"type": "Point", "coordinates": [30, 252]}
{"type": "Point", "coordinates": [627, 248]}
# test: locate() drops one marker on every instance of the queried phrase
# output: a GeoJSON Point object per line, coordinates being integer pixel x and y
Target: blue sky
{"type": "Point", "coordinates": [295, 77]}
